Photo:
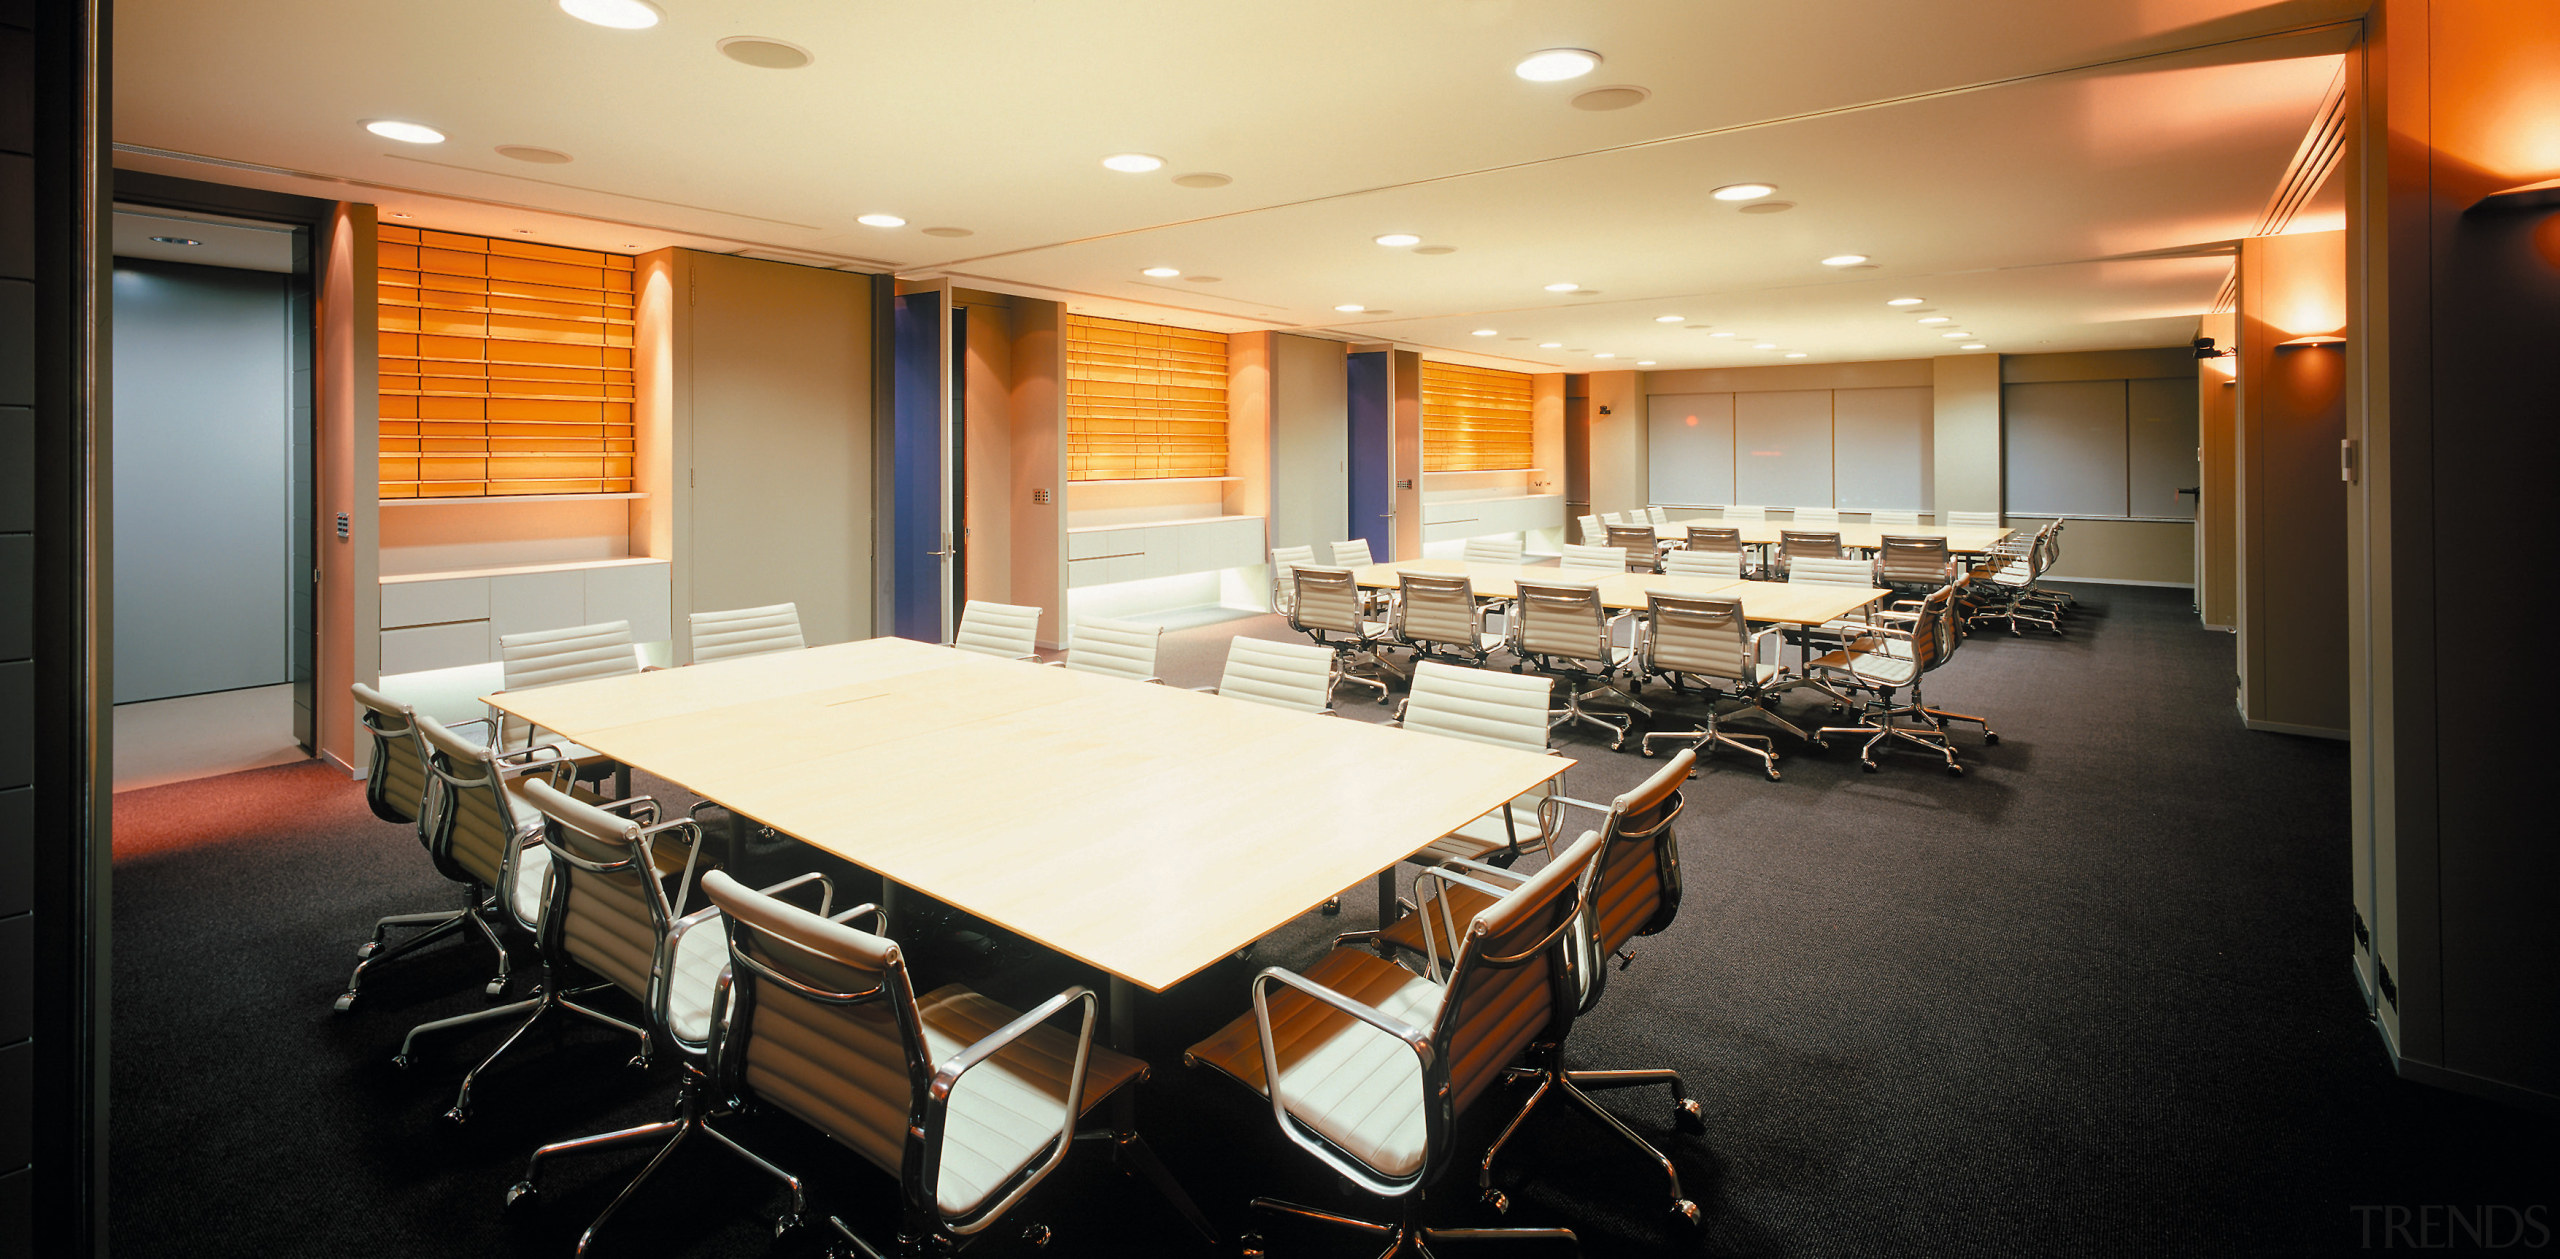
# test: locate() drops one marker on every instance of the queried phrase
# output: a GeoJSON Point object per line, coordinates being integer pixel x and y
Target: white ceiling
{"type": "Point", "coordinates": [2001, 158]}
{"type": "Point", "coordinates": [217, 241]}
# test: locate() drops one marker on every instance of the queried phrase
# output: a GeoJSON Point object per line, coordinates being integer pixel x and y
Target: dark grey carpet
{"type": "Point", "coordinates": [2093, 997]}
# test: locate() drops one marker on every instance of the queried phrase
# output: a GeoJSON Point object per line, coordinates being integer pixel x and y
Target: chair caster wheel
{"type": "Point", "coordinates": [1688, 1213]}
{"type": "Point", "coordinates": [459, 1115]}
{"type": "Point", "coordinates": [402, 1061]}
{"type": "Point", "coordinates": [1249, 1246]}
{"type": "Point", "coordinates": [1036, 1235]}
{"type": "Point", "coordinates": [639, 1062]}
{"type": "Point", "coordinates": [786, 1225]}
{"type": "Point", "coordinates": [1333, 906]}
{"type": "Point", "coordinates": [1688, 1116]}
{"type": "Point", "coordinates": [1499, 1201]}
{"type": "Point", "coordinates": [1820, 745]}
{"type": "Point", "coordinates": [494, 989]}
{"type": "Point", "coordinates": [1955, 771]}
{"type": "Point", "coordinates": [1869, 766]}
{"type": "Point", "coordinates": [521, 1195]}
{"type": "Point", "coordinates": [346, 1001]}
{"type": "Point", "coordinates": [1773, 775]}
{"type": "Point", "coordinates": [368, 949]}
{"type": "Point", "coordinates": [1991, 738]}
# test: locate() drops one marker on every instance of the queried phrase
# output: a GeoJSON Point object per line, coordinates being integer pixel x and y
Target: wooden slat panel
{"type": "Point", "coordinates": [1475, 419]}
{"type": "Point", "coordinates": [505, 367]}
{"type": "Point", "coordinates": [1144, 401]}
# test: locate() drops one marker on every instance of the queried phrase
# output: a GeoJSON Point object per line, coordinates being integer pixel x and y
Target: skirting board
{"type": "Point", "coordinates": [2446, 1078]}
{"type": "Point", "coordinates": [2118, 581]}
{"type": "Point", "coordinates": [352, 771]}
{"type": "Point", "coordinates": [2287, 727]}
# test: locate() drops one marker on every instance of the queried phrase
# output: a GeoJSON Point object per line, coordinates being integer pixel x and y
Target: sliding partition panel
{"type": "Point", "coordinates": [1883, 453]}
{"type": "Point", "coordinates": [1782, 448]}
{"type": "Point", "coordinates": [2064, 443]}
{"type": "Point", "coordinates": [1689, 449]}
{"type": "Point", "coordinates": [2162, 475]}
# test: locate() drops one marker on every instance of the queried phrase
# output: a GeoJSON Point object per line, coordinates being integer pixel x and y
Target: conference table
{"type": "Point", "coordinates": [1791, 603]}
{"type": "Point", "coordinates": [1146, 831]}
{"type": "Point", "coordinates": [1961, 539]}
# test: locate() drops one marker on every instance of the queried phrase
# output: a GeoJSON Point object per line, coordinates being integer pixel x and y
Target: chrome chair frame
{"type": "Point", "coordinates": [389, 746]}
{"type": "Point", "coordinates": [1355, 640]}
{"type": "Point", "coordinates": [1285, 559]}
{"type": "Point", "coordinates": [1750, 695]}
{"type": "Point", "coordinates": [1642, 545]}
{"type": "Point", "coordinates": [1448, 601]}
{"type": "Point", "coordinates": [1814, 544]}
{"type": "Point", "coordinates": [1929, 638]}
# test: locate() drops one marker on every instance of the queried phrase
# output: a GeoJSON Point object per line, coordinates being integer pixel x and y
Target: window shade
{"type": "Point", "coordinates": [505, 367]}
{"type": "Point", "coordinates": [1475, 419]}
{"type": "Point", "coordinates": [1144, 401]}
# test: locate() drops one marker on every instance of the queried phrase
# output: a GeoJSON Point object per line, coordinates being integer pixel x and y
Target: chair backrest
{"type": "Point", "coordinates": [1699, 635]}
{"type": "Point", "coordinates": [998, 629]}
{"type": "Point", "coordinates": [1284, 559]}
{"type": "Point", "coordinates": [1971, 519]}
{"type": "Point", "coordinates": [1354, 553]}
{"type": "Point", "coordinates": [1634, 885]}
{"type": "Point", "coordinates": [1504, 709]}
{"type": "Point", "coordinates": [551, 657]}
{"type": "Point", "coordinates": [607, 911]}
{"type": "Point", "coordinates": [1283, 675]}
{"type": "Point", "coordinates": [1437, 608]}
{"type": "Point", "coordinates": [1907, 561]}
{"type": "Point", "coordinates": [1746, 513]}
{"type": "Point", "coordinates": [1798, 544]}
{"type": "Point", "coordinates": [1816, 515]}
{"type": "Point", "coordinates": [821, 1023]}
{"type": "Point", "coordinates": [1327, 600]}
{"type": "Point", "coordinates": [1493, 550]}
{"type": "Point", "coordinates": [395, 785]}
{"type": "Point", "coordinates": [1591, 530]}
{"type": "Point", "coordinates": [1692, 562]}
{"type": "Point", "coordinates": [1657, 515]}
{"type": "Point", "coordinates": [1120, 649]}
{"type": "Point", "coordinates": [1831, 572]}
{"type": "Point", "coordinates": [1933, 633]}
{"type": "Point", "coordinates": [1715, 538]}
{"type": "Point", "coordinates": [745, 632]}
{"type": "Point", "coordinates": [1563, 621]}
{"type": "Point", "coordinates": [1893, 518]}
{"type": "Point", "coordinates": [1594, 559]}
{"type": "Point", "coordinates": [473, 829]}
{"type": "Point", "coordinates": [1513, 981]}
{"type": "Point", "coordinates": [1637, 541]}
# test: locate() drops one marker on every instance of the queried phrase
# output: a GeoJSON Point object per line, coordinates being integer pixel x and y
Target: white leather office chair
{"type": "Point", "coordinates": [1631, 889]}
{"type": "Point", "coordinates": [1592, 532]}
{"type": "Point", "coordinates": [1691, 562]}
{"type": "Point", "coordinates": [745, 632]}
{"type": "Point", "coordinates": [1889, 519]}
{"type": "Point", "coordinates": [1594, 559]}
{"type": "Point", "coordinates": [1613, 518]}
{"type": "Point", "coordinates": [1796, 544]}
{"type": "Point", "coordinates": [1913, 566]}
{"type": "Point", "coordinates": [1367, 1065]}
{"type": "Point", "coordinates": [1008, 630]}
{"type": "Point", "coordinates": [1505, 710]}
{"type": "Point", "coordinates": [1658, 516]}
{"type": "Point", "coordinates": [1704, 639]}
{"type": "Point", "coordinates": [1746, 513]}
{"type": "Point", "coordinates": [1295, 676]}
{"type": "Point", "coordinates": [1118, 649]}
{"type": "Point", "coordinates": [967, 1103]}
{"type": "Point", "coordinates": [1493, 551]}
{"type": "Point", "coordinates": [397, 789]}
{"type": "Point", "coordinates": [1889, 656]}
{"type": "Point", "coordinates": [1642, 552]}
{"type": "Point", "coordinates": [1818, 516]}
{"type": "Point", "coordinates": [1328, 610]}
{"type": "Point", "coordinates": [1353, 553]}
{"type": "Point", "coordinates": [1284, 559]}
{"type": "Point", "coordinates": [1563, 629]}
{"type": "Point", "coordinates": [1842, 571]}
{"type": "Point", "coordinates": [550, 657]}
{"type": "Point", "coordinates": [1970, 519]}
{"type": "Point", "coordinates": [1436, 615]}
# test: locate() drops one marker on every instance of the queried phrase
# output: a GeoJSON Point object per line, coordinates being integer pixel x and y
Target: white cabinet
{"type": "Point", "coordinates": [447, 620]}
{"type": "Point", "coordinates": [1450, 520]}
{"type": "Point", "coordinates": [1102, 555]}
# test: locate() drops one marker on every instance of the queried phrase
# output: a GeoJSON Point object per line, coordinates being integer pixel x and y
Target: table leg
{"type": "Point", "coordinates": [1387, 898]}
{"type": "Point", "coordinates": [1128, 1149]}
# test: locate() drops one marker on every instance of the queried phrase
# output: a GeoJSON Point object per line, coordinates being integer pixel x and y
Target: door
{"type": "Point", "coordinates": [924, 431]}
{"type": "Point", "coordinates": [1372, 407]}
{"type": "Point", "coordinates": [204, 480]}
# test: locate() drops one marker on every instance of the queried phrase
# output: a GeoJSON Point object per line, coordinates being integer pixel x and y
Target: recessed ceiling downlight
{"type": "Point", "coordinates": [1435, 251]}
{"type": "Point", "coordinates": [763, 53]}
{"type": "Point", "coordinates": [1488, 332]}
{"type": "Point", "coordinates": [176, 240]}
{"type": "Point", "coordinates": [531, 153]}
{"type": "Point", "coordinates": [1743, 192]}
{"type": "Point", "coordinates": [1768, 207]}
{"type": "Point", "coordinates": [1669, 318]}
{"type": "Point", "coordinates": [1555, 65]}
{"type": "Point", "coordinates": [1975, 346]}
{"type": "Point", "coordinates": [404, 132]}
{"type": "Point", "coordinates": [1398, 240]}
{"type": "Point", "coordinates": [1204, 179]}
{"type": "Point", "coordinates": [1162, 273]}
{"type": "Point", "coordinates": [1795, 354]}
{"type": "Point", "coordinates": [1134, 163]}
{"type": "Point", "coordinates": [1606, 354]}
{"type": "Point", "coordinates": [1551, 345]}
{"type": "Point", "coordinates": [1766, 345]}
{"type": "Point", "coordinates": [951, 232]}
{"type": "Point", "coordinates": [1563, 286]}
{"type": "Point", "coordinates": [1955, 336]}
{"type": "Point", "coordinates": [1719, 334]}
{"type": "Point", "coordinates": [1936, 319]}
{"type": "Point", "coordinates": [1844, 260]}
{"type": "Point", "coordinates": [880, 220]}
{"type": "Point", "coordinates": [621, 15]}
{"type": "Point", "coordinates": [1644, 362]}
{"type": "Point", "coordinates": [1351, 308]}
{"type": "Point", "coordinates": [1904, 301]}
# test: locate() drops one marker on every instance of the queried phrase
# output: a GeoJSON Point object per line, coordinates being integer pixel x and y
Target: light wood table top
{"type": "Point", "coordinates": [1961, 539]}
{"type": "Point", "coordinates": [1793, 603]}
{"type": "Point", "coordinates": [1146, 830]}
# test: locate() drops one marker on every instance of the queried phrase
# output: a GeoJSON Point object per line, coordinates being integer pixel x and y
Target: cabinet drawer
{"type": "Point", "coordinates": [436, 647]}
{"type": "Point", "coordinates": [406, 603]}
{"type": "Point", "coordinates": [521, 602]}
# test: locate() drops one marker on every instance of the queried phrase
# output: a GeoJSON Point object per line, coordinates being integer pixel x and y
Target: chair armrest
{"type": "Point", "coordinates": [879, 917]}
{"type": "Point", "coordinates": [1415, 1039]}
{"type": "Point", "coordinates": [641, 809]}
{"type": "Point", "coordinates": [1447, 873]}
{"type": "Point", "coordinates": [946, 1078]}
{"type": "Point", "coordinates": [1398, 719]}
{"type": "Point", "coordinates": [826, 889]}
{"type": "Point", "coordinates": [685, 826]}
{"type": "Point", "coordinates": [1200, 690]}
{"type": "Point", "coordinates": [662, 976]}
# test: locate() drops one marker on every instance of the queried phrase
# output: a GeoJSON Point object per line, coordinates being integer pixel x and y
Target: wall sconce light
{"type": "Point", "coordinates": [2324, 338]}
{"type": "Point", "coordinates": [2533, 196]}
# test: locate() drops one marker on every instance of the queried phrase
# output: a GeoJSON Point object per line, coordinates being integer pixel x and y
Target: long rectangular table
{"type": "Point", "coordinates": [1961, 539]}
{"type": "Point", "coordinates": [1793, 603]}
